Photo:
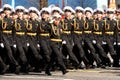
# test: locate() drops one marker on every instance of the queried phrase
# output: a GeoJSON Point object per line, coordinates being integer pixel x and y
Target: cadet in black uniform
{"type": "Point", "coordinates": [7, 37]}
{"type": "Point", "coordinates": [56, 43]}
{"type": "Point", "coordinates": [88, 37]}
{"type": "Point", "coordinates": [98, 37]}
{"type": "Point", "coordinates": [20, 38]}
{"type": "Point", "coordinates": [32, 39]}
{"type": "Point", "coordinates": [117, 34]}
{"type": "Point", "coordinates": [44, 34]}
{"type": "Point", "coordinates": [67, 27]}
{"type": "Point", "coordinates": [78, 37]}
{"type": "Point", "coordinates": [2, 63]}
{"type": "Point", "coordinates": [109, 30]}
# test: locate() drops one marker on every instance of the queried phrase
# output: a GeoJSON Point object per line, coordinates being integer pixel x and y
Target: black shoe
{"type": "Point", "coordinates": [88, 66]}
{"type": "Point", "coordinates": [6, 67]}
{"type": "Point", "coordinates": [64, 72]}
{"type": "Point", "coordinates": [17, 71]}
{"type": "Point", "coordinates": [48, 73]}
{"type": "Point", "coordinates": [101, 66]}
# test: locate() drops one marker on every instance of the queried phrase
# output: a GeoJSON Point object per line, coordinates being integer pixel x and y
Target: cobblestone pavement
{"type": "Point", "coordinates": [91, 74]}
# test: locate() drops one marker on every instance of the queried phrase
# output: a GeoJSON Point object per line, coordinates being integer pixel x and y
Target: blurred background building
{"type": "Point", "coordinates": [61, 3]}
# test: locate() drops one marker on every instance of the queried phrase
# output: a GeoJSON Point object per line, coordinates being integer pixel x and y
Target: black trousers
{"type": "Point", "coordinates": [7, 41]}
{"type": "Point", "coordinates": [45, 47]}
{"type": "Point", "coordinates": [69, 47]}
{"type": "Point", "coordinates": [56, 56]}
{"type": "Point", "coordinates": [20, 42]}
{"type": "Point", "coordinates": [110, 41]}
{"type": "Point", "coordinates": [2, 64]}
{"type": "Point", "coordinates": [33, 47]}
{"type": "Point", "coordinates": [78, 44]}
{"type": "Point", "coordinates": [91, 55]}
{"type": "Point", "coordinates": [100, 50]}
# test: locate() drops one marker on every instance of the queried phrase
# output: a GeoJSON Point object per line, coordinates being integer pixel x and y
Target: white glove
{"type": "Point", "coordinates": [82, 43]}
{"type": "Point", "coordinates": [28, 44]}
{"type": "Point", "coordinates": [64, 42]}
{"type": "Point", "coordinates": [2, 45]}
{"type": "Point", "coordinates": [14, 45]}
{"type": "Point", "coordinates": [94, 41]}
{"type": "Point", "coordinates": [118, 43]}
{"type": "Point", "coordinates": [104, 42]}
{"type": "Point", "coordinates": [114, 43]}
{"type": "Point", "coordinates": [38, 45]}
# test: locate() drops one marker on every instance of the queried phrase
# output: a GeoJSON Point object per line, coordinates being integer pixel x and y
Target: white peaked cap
{"type": "Point", "coordinates": [45, 9]}
{"type": "Point", "coordinates": [33, 9]}
{"type": "Point", "coordinates": [89, 9]}
{"type": "Point", "coordinates": [68, 8]}
{"type": "Point", "coordinates": [19, 7]}
{"type": "Point", "coordinates": [7, 6]}
{"type": "Point", "coordinates": [79, 8]}
{"type": "Point", "coordinates": [100, 9]}
{"type": "Point", "coordinates": [58, 9]}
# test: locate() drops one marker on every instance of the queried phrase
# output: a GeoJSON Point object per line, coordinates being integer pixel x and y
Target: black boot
{"type": "Point", "coordinates": [48, 73]}
{"type": "Point", "coordinates": [6, 67]}
{"type": "Point", "coordinates": [64, 72]}
{"type": "Point", "coordinates": [17, 71]}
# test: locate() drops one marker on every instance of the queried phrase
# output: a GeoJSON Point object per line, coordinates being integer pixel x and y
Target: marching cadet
{"type": "Point", "coordinates": [44, 36]}
{"type": "Point", "coordinates": [67, 27]}
{"type": "Point", "coordinates": [117, 46]}
{"type": "Point", "coordinates": [78, 37]}
{"type": "Point", "coordinates": [20, 38]}
{"type": "Point", "coordinates": [56, 43]}
{"type": "Point", "coordinates": [98, 37]}
{"type": "Point", "coordinates": [7, 36]}
{"type": "Point", "coordinates": [109, 32]}
{"type": "Point", "coordinates": [32, 40]}
{"type": "Point", "coordinates": [88, 37]}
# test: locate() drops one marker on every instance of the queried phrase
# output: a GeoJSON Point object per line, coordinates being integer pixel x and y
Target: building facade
{"type": "Point", "coordinates": [61, 3]}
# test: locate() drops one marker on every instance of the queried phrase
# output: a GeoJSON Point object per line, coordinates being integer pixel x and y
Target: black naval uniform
{"type": "Point", "coordinates": [78, 40]}
{"type": "Point", "coordinates": [56, 44]}
{"type": "Point", "coordinates": [117, 46]}
{"type": "Point", "coordinates": [88, 37]}
{"type": "Point", "coordinates": [32, 39]}
{"type": "Point", "coordinates": [20, 38]}
{"type": "Point", "coordinates": [67, 27]}
{"type": "Point", "coordinates": [44, 39]}
{"type": "Point", "coordinates": [109, 36]}
{"type": "Point", "coordinates": [98, 32]}
{"type": "Point", "coordinates": [2, 63]}
{"type": "Point", "coordinates": [7, 39]}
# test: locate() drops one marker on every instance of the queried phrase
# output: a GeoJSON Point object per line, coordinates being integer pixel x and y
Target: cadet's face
{"type": "Point", "coordinates": [20, 14]}
{"type": "Point", "coordinates": [57, 21]}
{"type": "Point", "coordinates": [45, 15]}
{"type": "Point", "coordinates": [32, 15]}
{"type": "Point", "coordinates": [88, 14]}
{"type": "Point", "coordinates": [110, 15]}
{"type": "Point", "coordinates": [14, 16]}
{"type": "Point", "coordinates": [2, 15]}
{"type": "Point", "coordinates": [25, 16]}
{"type": "Point", "coordinates": [68, 14]}
{"type": "Point", "coordinates": [79, 14]}
{"type": "Point", "coordinates": [99, 15]}
{"type": "Point", "coordinates": [7, 12]}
